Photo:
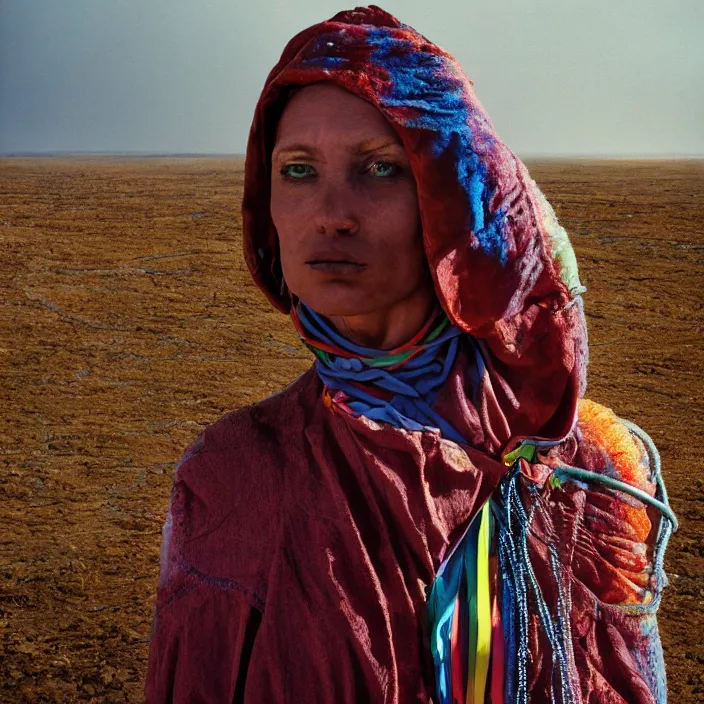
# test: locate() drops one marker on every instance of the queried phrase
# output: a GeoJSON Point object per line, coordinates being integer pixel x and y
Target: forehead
{"type": "Point", "coordinates": [325, 112]}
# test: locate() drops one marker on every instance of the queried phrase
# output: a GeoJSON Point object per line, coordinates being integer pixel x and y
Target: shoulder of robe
{"type": "Point", "coordinates": [617, 524]}
{"type": "Point", "coordinates": [608, 446]}
{"type": "Point", "coordinates": [603, 443]}
{"type": "Point", "coordinates": [230, 491]}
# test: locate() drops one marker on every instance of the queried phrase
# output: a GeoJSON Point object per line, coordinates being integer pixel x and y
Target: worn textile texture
{"type": "Point", "coordinates": [302, 541]}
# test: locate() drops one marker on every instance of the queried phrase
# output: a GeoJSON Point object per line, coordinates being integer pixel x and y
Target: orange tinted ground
{"type": "Point", "coordinates": [129, 322]}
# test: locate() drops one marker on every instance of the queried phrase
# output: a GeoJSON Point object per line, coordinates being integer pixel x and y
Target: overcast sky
{"type": "Point", "coordinates": [558, 77]}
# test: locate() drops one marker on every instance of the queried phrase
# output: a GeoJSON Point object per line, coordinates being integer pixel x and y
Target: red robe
{"type": "Point", "coordinates": [297, 556]}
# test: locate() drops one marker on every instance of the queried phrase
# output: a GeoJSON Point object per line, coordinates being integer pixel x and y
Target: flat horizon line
{"type": "Point", "coordinates": [151, 154]}
{"type": "Point", "coordinates": [206, 155]}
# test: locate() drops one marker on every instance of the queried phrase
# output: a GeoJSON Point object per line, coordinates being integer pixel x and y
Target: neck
{"type": "Point", "coordinates": [388, 328]}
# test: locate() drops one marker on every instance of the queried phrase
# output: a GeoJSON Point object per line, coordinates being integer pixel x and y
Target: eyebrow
{"type": "Point", "coordinates": [366, 146]}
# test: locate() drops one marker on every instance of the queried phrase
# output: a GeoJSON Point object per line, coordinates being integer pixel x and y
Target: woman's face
{"type": "Point", "coordinates": [342, 189]}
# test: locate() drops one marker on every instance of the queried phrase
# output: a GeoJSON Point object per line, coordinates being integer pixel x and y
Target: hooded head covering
{"type": "Point", "coordinates": [502, 266]}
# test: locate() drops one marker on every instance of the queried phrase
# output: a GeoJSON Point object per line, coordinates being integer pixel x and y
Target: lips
{"type": "Point", "coordinates": [338, 268]}
{"type": "Point", "coordinates": [333, 257]}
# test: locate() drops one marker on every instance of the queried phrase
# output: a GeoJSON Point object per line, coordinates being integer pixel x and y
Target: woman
{"type": "Point", "coordinates": [432, 512]}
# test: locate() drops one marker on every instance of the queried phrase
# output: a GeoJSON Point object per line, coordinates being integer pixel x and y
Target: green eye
{"type": "Point", "coordinates": [386, 165]}
{"type": "Point", "coordinates": [288, 172]}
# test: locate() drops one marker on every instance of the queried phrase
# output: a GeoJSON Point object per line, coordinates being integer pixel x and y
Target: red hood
{"type": "Point", "coordinates": [503, 267]}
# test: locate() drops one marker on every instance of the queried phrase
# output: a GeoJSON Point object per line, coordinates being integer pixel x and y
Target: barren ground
{"type": "Point", "coordinates": [128, 322]}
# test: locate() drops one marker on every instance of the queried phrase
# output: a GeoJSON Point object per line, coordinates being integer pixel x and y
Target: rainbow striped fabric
{"type": "Point", "coordinates": [463, 608]}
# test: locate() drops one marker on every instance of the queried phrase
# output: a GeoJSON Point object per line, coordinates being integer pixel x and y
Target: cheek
{"type": "Point", "coordinates": [402, 226]}
{"type": "Point", "coordinates": [288, 222]}
{"type": "Point", "coordinates": [292, 214]}
{"type": "Point", "coordinates": [278, 207]}
{"type": "Point", "coordinates": [289, 249]}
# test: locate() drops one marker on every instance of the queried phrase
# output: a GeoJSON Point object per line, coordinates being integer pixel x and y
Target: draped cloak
{"type": "Point", "coordinates": [301, 541]}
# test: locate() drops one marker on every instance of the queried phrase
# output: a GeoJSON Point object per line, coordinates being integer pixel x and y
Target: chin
{"type": "Point", "coordinates": [338, 301]}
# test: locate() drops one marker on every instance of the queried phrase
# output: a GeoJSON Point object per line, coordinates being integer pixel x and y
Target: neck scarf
{"type": "Point", "coordinates": [397, 386]}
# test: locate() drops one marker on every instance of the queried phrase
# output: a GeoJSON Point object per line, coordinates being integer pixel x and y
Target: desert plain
{"type": "Point", "coordinates": [129, 322]}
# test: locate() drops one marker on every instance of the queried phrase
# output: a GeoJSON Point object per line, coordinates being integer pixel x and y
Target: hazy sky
{"type": "Point", "coordinates": [558, 77]}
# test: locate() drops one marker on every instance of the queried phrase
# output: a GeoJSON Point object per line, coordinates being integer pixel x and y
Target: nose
{"type": "Point", "coordinates": [335, 211]}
